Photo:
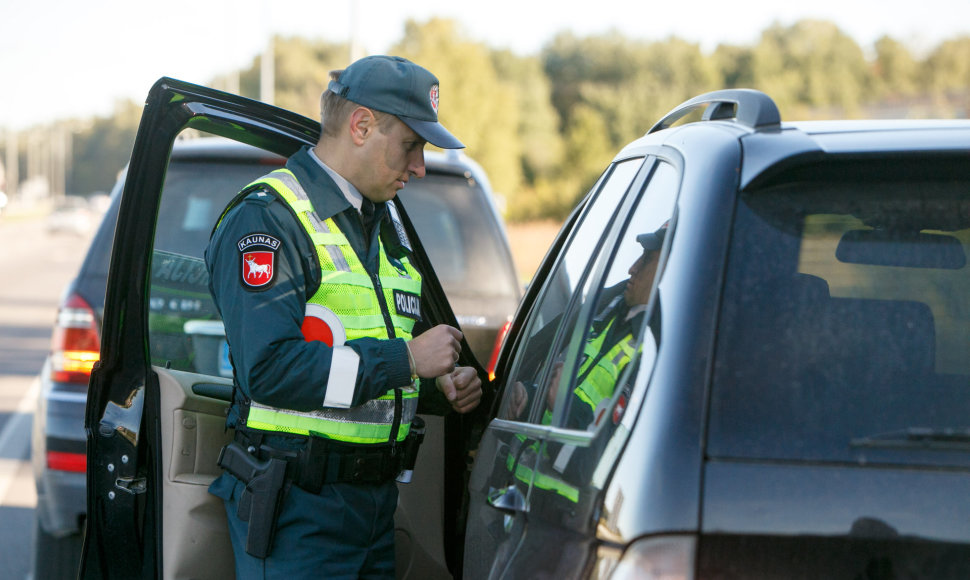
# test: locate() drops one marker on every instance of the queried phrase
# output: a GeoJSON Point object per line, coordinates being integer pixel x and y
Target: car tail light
{"type": "Point", "coordinates": [657, 558]}
{"type": "Point", "coordinates": [61, 461]}
{"type": "Point", "coordinates": [75, 346]}
{"type": "Point", "coordinates": [497, 348]}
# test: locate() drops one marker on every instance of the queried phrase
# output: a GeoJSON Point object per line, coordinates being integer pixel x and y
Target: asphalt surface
{"type": "Point", "coordinates": [35, 266]}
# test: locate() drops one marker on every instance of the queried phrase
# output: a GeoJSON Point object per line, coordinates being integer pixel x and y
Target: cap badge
{"type": "Point", "coordinates": [434, 98]}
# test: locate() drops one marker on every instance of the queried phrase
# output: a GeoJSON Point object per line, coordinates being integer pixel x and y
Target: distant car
{"type": "Point", "coordinates": [73, 215]}
{"type": "Point", "coordinates": [452, 206]}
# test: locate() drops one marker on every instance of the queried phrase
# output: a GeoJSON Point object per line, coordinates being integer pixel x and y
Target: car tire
{"type": "Point", "coordinates": [55, 558]}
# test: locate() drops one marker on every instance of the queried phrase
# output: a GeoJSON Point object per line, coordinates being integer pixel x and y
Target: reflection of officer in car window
{"type": "Point", "coordinates": [611, 342]}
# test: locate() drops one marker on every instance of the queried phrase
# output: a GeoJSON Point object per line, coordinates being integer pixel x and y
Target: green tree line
{"type": "Point", "coordinates": [545, 125]}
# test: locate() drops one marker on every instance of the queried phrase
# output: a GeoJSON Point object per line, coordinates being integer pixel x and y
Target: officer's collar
{"type": "Point", "coordinates": [350, 192]}
{"type": "Point", "coordinates": [634, 310]}
{"type": "Point", "coordinates": [320, 187]}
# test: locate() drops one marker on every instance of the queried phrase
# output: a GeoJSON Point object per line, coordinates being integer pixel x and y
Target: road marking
{"type": "Point", "coordinates": [15, 438]}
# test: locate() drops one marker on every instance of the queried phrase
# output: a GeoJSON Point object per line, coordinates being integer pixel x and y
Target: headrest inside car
{"type": "Point", "coordinates": [901, 248]}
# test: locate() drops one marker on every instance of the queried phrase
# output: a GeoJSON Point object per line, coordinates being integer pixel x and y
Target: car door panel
{"type": "Point", "coordinates": [498, 506]}
{"type": "Point", "coordinates": [418, 533]}
{"type": "Point", "coordinates": [196, 543]}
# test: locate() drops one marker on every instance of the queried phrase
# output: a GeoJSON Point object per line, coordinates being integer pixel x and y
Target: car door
{"type": "Point", "coordinates": [523, 499]}
{"type": "Point", "coordinates": [157, 400]}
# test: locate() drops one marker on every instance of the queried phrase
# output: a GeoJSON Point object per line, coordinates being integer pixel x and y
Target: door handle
{"type": "Point", "coordinates": [508, 499]}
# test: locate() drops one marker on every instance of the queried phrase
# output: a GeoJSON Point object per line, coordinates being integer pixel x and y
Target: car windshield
{"type": "Point", "coordinates": [845, 320]}
{"type": "Point", "coordinates": [449, 212]}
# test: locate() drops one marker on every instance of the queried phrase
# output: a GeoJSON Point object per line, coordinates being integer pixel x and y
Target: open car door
{"type": "Point", "coordinates": [157, 401]}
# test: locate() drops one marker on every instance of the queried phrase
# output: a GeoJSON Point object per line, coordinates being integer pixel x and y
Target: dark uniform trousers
{"type": "Point", "coordinates": [344, 532]}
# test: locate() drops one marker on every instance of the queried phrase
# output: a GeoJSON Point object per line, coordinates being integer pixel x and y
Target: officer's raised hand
{"type": "Point", "coordinates": [435, 351]}
{"type": "Point", "coordinates": [462, 387]}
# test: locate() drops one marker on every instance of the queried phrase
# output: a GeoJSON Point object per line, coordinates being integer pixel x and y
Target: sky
{"type": "Point", "coordinates": [62, 59]}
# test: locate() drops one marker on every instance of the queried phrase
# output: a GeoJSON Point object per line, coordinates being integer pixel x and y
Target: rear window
{"type": "Point", "coordinates": [194, 193]}
{"type": "Point", "coordinates": [845, 323]}
{"type": "Point", "coordinates": [462, 236]}
{"type": "Point", "coordinates": [185, 329]}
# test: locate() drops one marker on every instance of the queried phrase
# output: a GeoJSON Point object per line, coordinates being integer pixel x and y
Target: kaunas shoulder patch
{"type": "Point", "coordinates": [258, 260]}
{"type": "Point", "coordinates": [407, 304]}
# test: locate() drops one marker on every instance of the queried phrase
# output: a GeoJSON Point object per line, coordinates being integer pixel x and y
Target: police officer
{"type": "Point", "coordinates": [614, 337]}
{"type": "Point", "coordinates": [310, 269]}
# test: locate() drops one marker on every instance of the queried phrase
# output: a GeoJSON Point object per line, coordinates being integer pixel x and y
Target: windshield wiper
{"type": "Point", "coordinates": [957, 439]}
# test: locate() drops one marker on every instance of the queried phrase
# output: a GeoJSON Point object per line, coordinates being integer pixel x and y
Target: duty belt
{"type": "Point", "coordinates": [322, 461]}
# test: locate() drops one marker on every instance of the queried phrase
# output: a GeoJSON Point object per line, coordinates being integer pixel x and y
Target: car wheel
{"type": "Point", "coordinates": [54, 557]}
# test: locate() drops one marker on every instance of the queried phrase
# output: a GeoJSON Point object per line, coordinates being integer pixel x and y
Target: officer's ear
{"type": "Point", "coordinates": [362, 123]}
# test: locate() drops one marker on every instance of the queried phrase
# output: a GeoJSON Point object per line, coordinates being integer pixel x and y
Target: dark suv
{"type": "Point", "coordinates": [452, 205]}
{"type": "Point", "coordinates": [793, 401]}
{"type": "Point", "coordinates": [744, 356]}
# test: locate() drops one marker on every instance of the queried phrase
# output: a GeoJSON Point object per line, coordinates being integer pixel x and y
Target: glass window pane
{"type": "Point", "coordinates": [449, 212]}
{"type": "Point", "coordinates": [614, 308]}
{"type": "Point", "coordinates": [185, 331]}
{"type": "Point", "coordinates": [531, 366]}
{"type": "Point", "coordinates": [846, 320]}
{"type": "Point", "coordinates": [602, 352]}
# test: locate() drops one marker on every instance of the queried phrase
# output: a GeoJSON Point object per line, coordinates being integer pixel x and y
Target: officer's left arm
{"type": "Point", "coordinates": [462, 387]}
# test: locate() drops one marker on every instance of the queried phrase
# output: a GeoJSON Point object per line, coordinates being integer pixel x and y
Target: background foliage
{"type": "Point", "coordinates": [545, 125]}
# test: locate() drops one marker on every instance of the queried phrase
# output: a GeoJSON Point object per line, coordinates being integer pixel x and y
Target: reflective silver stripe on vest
{"type": "Point", "coordinates": [336, 256]}
{"type": "Point", "coordinates": [290, 181]}
{"type": "Point", "coordinates": [373, 412]}
{"type": "Point", "coordinates": [342, 381]}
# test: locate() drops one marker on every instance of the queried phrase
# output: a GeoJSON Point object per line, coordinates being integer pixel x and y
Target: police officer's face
{"type": "Point", "coordinates": [641, 278]}
{"type": "Point", "coordinates": [393, 155]}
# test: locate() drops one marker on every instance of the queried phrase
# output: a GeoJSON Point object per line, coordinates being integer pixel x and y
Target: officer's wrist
{"type": "Point", "coordinates": [411, 363]}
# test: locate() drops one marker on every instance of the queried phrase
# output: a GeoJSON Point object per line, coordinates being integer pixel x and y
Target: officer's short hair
{"type": "Point", "coordinates": [335, 110]}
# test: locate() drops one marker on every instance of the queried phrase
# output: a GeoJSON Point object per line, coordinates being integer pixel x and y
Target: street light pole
{"type": "Point", "coordinates": [267, 64]}
{"type": "Point", "coordinates": [13, 167]}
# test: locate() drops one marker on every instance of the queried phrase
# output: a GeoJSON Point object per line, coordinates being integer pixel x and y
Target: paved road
{"type": "Point", "coordinates": [34, 268]}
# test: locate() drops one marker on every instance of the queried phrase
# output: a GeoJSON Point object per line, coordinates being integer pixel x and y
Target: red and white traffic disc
{"type": "Point", "coordinates": [320, 323]}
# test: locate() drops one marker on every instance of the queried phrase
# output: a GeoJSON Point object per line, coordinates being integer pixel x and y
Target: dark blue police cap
{"type": "Point", "coordinates": [395, 85]}
{"type": "Point", "coordinates": [653, 240]}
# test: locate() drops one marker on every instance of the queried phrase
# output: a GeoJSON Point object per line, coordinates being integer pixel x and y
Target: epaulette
{"type": "Point", "coordinates": [260, 195]}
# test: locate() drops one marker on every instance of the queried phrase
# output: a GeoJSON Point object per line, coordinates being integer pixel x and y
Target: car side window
{"type": "Point", "coordinates": [534, 361]}
{"type": "Point", "coordinates": [618, 312]}
{"type": "Point", "coordinates": [609, 348]}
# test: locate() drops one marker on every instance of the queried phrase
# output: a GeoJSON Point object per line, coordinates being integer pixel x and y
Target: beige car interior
{"type": "Point", "coordinates": [195, 535]}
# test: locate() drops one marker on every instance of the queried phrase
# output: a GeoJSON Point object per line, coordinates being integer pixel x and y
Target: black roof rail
{"type": "Point", "coordinates": [747, 106]}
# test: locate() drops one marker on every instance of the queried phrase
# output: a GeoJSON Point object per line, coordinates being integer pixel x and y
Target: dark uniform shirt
{"type": "Point", "coordinates": [273, 363]}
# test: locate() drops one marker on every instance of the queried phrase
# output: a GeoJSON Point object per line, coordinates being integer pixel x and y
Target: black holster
{"type": "Point", "coordinates": [260, 502]}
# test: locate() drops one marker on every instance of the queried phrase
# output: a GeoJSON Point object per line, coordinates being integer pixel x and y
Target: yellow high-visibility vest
{"type": "Point", "coordinates": [351, 299]}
